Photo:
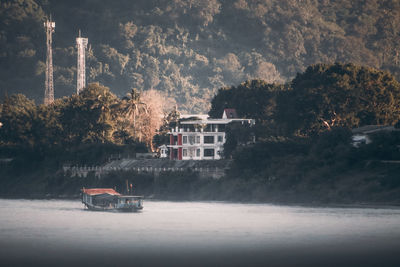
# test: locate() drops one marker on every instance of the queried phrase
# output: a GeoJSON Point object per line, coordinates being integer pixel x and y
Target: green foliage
{"type": "Point", "coordinates": [331, 145]}
{"type": "Point", "coordinates": [383, 146]}
{"type": "Point", "coordinates": [95, 153]}
{"type": "Point", "coordinates": [47, 128]}
{"type": "Point", "coordinates": [190, 49]}
{"type": "Point", "coordinates": [130, 110]}
{"type": "Point", "coordinates": [343, 95]}
{"type": "Point", "coordinates": [254, 99]}
{"type": "Point", "coordinates": [82, 128]}
{"type": "Point", "coordinates": [237, 134]}
{"type": "Point", "coordinates": [251, 99]}
{"type": "Point", "coordinates": [170, 120]}
{"type": "Point", "coordinates": [89, 117]}
{"type": "Point", "coordinates": [323, 98]}
{"type": "Point", "coordinates": [261, 155]}
{"type": "Point", "coordinates": [325, 168]}
{"type": "Point", "coordinates": [17, 116]}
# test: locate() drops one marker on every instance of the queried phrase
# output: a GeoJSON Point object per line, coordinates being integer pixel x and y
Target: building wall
{"type": "Point", "coordinates": [200, 139]}
{"type": "Point", "coordinates": [198, 145]}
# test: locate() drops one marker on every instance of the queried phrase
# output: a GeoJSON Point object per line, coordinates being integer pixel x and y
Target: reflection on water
{"type": "Point", "coordinates": [197, 233]}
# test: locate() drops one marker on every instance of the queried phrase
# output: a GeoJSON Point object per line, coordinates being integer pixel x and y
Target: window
{"type": "Point", "coordinates": [220, 138]}
{"type": "Point", "coordinates": [185, 152]}
{"type": "Point", "coordinates": [209, 139]}
{"type": "Point", "coordinates": [185, 139]}
{"type": "Point", "coordinates": [198, 139]}
{"type": "Point", "coordinates": [208, 152]}
{"type": "Point", "coordinates": [198, 152]}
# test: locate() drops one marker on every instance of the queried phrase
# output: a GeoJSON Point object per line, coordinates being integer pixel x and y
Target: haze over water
{"type": "Point", "coordinates": [43, 232]}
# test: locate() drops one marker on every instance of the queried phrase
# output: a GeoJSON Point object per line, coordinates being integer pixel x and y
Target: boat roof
{"type": "Point", "coordinates": [100, 191]}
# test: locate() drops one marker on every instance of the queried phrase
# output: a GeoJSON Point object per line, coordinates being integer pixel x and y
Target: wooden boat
{"type": "Point", "coordinates": [107, 199]}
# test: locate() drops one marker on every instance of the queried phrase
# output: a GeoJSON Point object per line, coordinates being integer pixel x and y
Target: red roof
{"type": "Point", "coordinates": [99, 191]}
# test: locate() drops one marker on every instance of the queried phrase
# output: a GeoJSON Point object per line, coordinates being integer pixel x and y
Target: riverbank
{"type": "Point", "coordinates": [329, 171]}
{"type": "Point", "coordinates": [188, 186]}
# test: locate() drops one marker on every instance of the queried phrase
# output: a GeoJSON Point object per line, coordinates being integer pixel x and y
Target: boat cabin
{"type": "Point", "coordinates": [127, 201]}
{"type": "Point", "coordinates": [109, 199]}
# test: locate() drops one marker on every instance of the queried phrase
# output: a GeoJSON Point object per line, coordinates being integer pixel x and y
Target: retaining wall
{"type": "Point", "coordinates": [205, 168]}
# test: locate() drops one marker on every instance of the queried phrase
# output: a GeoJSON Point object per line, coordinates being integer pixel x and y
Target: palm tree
{"type": "Point", "coordinates": [132, 107]}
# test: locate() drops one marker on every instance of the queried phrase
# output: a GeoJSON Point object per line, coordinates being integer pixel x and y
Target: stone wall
{"type": "Point", "coordinates": [205, 168]}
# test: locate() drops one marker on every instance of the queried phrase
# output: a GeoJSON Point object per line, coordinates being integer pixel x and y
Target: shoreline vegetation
{"type": "Point", "coordinates": [357, 187]}
{"type": "Point", "coordinates": [365, 183]}
{"type": "Point", "coordinates": [300, 150]}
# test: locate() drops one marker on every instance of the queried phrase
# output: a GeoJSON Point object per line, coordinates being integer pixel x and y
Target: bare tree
{"type": "Point", "coordinates": [157, 104]}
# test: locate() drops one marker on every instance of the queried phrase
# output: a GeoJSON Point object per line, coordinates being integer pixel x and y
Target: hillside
{"type": "Point", "coordinates": [189, 49]}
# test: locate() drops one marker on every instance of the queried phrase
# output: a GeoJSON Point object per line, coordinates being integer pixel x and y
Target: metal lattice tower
{"type": "Point", "coordinates": [49, 86]}
{"type": "Point", "coordinates": [81, 44]}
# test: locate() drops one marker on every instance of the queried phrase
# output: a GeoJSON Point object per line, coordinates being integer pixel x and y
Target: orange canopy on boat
{"type": "Point", "coordinates": [99, 191]}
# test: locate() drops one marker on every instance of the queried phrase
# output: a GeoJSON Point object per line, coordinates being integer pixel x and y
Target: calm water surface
{"type": "Point", "coordinates": [43, 232]}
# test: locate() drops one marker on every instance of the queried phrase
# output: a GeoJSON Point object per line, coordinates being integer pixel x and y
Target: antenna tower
{"type": "Point", "coordinates": [81, 44]}
{"type": "Point", "coordinates": [49, 86]}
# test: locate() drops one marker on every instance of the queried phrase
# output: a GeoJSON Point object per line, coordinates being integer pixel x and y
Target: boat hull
{"type": "Point", "coordinates": [121, 209]}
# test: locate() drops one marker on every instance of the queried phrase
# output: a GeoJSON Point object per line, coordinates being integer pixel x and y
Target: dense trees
{"type": "Point", "coordinates": [130, 109]}
{"type": "Point", "coordinates": [321, 98]}
{"type": "Point", "coordinates": [343, 95]}
{"type": "Point", "coordinates": [95, 116]}
{"type": "Point", "coordinates": [304, 150]}
{"type": "Point", "coordinates": [17, 116]}
{"type": "Point", "coordinates": [88, 117]}
{"type": "Point", "coordinates": [190, 49]}
{"type": "Point", "coordinates": [237, 134]}
{"type": "Point", "coordinates": [253, 99]}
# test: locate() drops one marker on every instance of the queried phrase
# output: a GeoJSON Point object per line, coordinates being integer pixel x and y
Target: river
{"type": "Point", "coordinates": [63, 233]}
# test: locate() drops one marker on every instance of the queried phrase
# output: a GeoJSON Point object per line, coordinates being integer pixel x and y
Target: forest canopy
{"type": "Point", "coordinates": [320, 99]}
{"type": "Point", "coordinates": [189, 49]}
{"type": "Point", "coordinates": [94, 117]}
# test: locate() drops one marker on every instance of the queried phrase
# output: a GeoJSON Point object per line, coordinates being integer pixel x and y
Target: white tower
{"type": "Point", "coordinates": [81, 44]}
{"type": "Point", "coordinates": [49, 86]}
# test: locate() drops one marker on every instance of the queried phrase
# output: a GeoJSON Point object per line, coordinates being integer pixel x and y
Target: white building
{"type": "Point", "coordinates": [201, 138]}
